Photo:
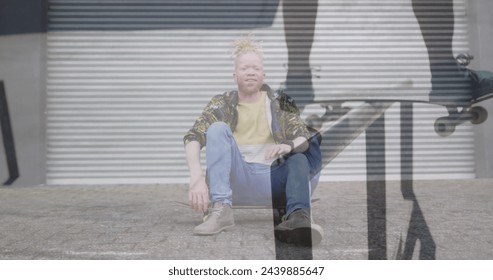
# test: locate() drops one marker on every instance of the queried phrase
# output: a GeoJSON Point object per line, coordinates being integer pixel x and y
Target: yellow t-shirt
{"type": "Point", "coordinates": [252, 127]}
{"type": "Point", "coordinates": [252, 132]}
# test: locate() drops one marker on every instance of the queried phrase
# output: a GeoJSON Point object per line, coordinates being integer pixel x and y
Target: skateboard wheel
{"type": "Point", "coordinates": [444, 126]}
{"type": "Point", "coordinates": [479, 115]}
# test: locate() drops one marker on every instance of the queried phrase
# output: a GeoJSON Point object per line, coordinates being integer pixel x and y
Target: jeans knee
{"type": "Point", "coordinates": [298, 161]}
{"type": "Point", "coordinates": [217, 129]}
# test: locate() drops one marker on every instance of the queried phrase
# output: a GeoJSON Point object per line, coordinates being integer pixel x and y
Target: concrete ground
{"type": "Point", "coordinates": [439, 220]}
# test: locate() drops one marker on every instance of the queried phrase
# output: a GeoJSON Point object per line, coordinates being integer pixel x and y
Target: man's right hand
{"type": "Point", "coordinates": [198, 194]}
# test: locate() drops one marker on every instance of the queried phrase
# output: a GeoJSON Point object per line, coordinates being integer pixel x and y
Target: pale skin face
{"type": "Point", "coordinates": [249, 76]}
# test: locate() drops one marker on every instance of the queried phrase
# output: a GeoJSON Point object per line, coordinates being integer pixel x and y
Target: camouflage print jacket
{"type": "Point", "coordinates": [286, 123]}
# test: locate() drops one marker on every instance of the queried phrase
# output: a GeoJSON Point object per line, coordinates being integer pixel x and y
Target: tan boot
{"type": "Point", "coordinates": [220, 218]}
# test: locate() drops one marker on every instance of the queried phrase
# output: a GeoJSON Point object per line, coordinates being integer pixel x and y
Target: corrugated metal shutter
{"type": "Point", "coordinates": [126, 80]}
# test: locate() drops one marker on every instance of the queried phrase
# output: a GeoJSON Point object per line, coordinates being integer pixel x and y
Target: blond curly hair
{"type": "Point", "coordinates": [247, 44]}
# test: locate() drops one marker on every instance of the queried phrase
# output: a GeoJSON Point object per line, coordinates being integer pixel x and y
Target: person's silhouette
{"type": "Point", "coordinates": [450, 84]}
{"type": "Point", "coordinates": [299, 30]}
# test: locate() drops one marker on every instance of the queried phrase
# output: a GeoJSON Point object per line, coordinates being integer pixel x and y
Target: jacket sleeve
{"type": "Point", "coordinates": [294, 126]}
{"type": "Point", "coordinates": [208, 117]}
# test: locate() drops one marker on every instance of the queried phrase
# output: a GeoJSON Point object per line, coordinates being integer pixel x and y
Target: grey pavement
{"type": "Point", "coordinates": [449, 219]}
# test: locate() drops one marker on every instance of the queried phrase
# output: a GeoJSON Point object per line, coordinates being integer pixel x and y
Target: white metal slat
{"type": "Point", "coordinates": [119, 101]}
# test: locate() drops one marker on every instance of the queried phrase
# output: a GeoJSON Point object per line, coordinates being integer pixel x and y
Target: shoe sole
{"type": "Point", "coordinates": [215, 232]}
{"type": "Point", "coordinates": [306, 236]}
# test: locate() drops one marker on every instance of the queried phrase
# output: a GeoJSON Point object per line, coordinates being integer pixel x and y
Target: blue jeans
{"type": "Point", "coordinates": [231, 180]}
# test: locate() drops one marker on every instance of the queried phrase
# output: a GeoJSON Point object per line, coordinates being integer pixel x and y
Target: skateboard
{"type": "Point", "coordinates": [278, 212]}
{"type": "Point", "coordinates": [458, 113]}
{"type": "Point", "coordinates": [335, 108]}
{"type": "Point", "coordinates": [444, 126]}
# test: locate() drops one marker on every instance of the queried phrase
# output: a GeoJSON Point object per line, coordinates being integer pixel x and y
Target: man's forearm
{"type": "Point", "coordinates": [192, 150]}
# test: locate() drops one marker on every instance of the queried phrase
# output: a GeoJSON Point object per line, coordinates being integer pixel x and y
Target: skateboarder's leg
{"type": "Point", "coordinates": [450, 84]}
{"type": "Point", "coordinates": [299, 29]}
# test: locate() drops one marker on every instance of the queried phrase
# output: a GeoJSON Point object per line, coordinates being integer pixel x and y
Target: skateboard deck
{"type": "Point", "coordinates": [458, 111]}
{"type": "Point", "coordinates": [241, 206]}
{"type": "Point", "coordinates": [278, 212]}
{"type": "Point", "coordinates": [444, 126]}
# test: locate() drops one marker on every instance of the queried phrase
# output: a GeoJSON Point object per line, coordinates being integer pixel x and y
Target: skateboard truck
{"type": "Point", "coordinates": [445, 126]}
{"type": "Point", "coordinates": [464, 59]}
